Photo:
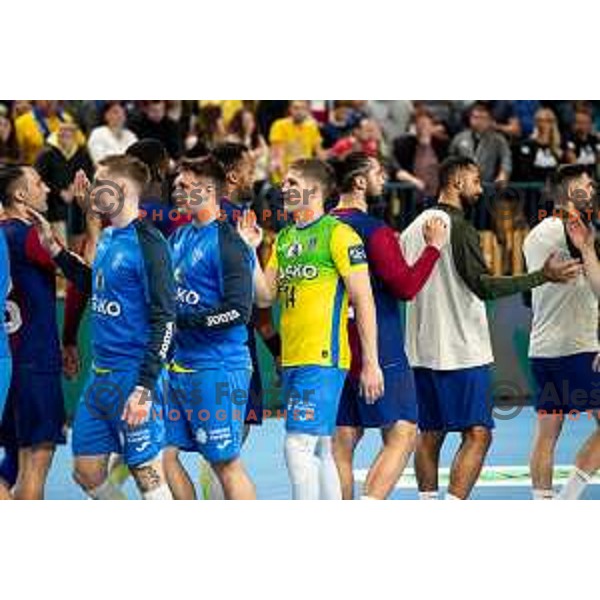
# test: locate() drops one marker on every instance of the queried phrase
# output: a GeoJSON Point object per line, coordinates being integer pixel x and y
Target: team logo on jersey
{"type": "Point", "coordinates": [312, 243]}
{"type": "Point", "coordinates": [177, 275]}
{"type": "Point", "coordinates": [300, 272]}
{"type": "Point", "coordinates": [187, 296]}
{"type": "Point", "coordinates": [357, 254]}
{"type": "Point", "coordinates": [99, 280]}
{"type": "Point", "coordinates": [294, 250]}
{"type": "Point", "coordinates": [107, 308]}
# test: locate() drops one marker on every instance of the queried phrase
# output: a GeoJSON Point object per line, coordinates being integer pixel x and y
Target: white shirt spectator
{"type": "Point", "coordinates": [105, 142]}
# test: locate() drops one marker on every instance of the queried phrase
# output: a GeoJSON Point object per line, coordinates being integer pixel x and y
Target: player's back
{"type": "Point", "coordinates": [31, 305]}
{"type": "Point", "coordinates": [446, 325]}
{"type": "Point", "coordinates": [204, 256]}
{"type": "Point", "coordinates": [565, 317]}
{"type": "Point", "coordinates": [389, 326]}
{"type": "Point", "coordinates": [122, 293]}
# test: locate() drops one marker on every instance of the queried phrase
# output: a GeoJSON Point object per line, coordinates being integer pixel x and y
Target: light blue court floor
{"type": "Point", "coordinates": [504, 478]}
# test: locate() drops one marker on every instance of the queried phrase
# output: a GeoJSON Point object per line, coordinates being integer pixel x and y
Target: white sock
{"type": "Point", "coordinates": [106, 491]}
{"type": "Point", "coordinates": [365, 497]}
{"type": "Point", "coordinates": [575, 485]}
{"type": "Point", "coordinates": [330, 487]}
{"type": "Point", "coordinates": [429, 495]}
{"type": "Point", "coordinates": [209, 482]}
{"type": "Point", "coordinates": [303, 466]}
{"type": "Point", "coordinates": [450, 496]}
{"type": "Point", "coordinates": [543, 494]}
{"type": "Point", "coordinates": [160, 493]}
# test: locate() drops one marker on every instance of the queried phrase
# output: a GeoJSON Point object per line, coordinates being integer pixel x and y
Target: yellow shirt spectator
{"type": "Point", "coordinates": [292, 140]}
{"type": "Point", "coordinates": [32, 130]}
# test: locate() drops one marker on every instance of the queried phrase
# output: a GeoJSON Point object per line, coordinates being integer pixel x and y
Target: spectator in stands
{"type": "Point", "coordinates": [417, 156]}
{"type": "Point", "coordinates": [112, 137]}
{"type": "Point", "coordinates": [9, 149]}
{"type": "Point", "coordinates": [582, 146]}
{"type": "Point", "coordinates": [447, 113]}
{"type": "Point", "coordinates": [365, 137]}
{"type": "Point", "coordinates": [538, 157]}
{"type": "Point", "coordinates": [20, 107]}
{"type": "Point", "coordinates": [152, 121]}
{"type": "Point", "coordinates": [208, 132]}
{"type": "Point", "coordinates": [243, 130]}
{"type": "Point", "coordinates": [482, 143]}
{"type": "Point", "coordinates": [490, 150]}
{"type": "Point", "coordinates": [505, 118]}
{"type": "Point", "coordinates": [86, 113]}
{"type": "Point", "coordinates": [293, 137]}
{"type": "Point", "coordinates": [340, 124]}
{"type": "Point", "coordinates": [392, 116]}
{"type": "Point", "coordinates": [57, 164]}
{"type": "Point", "coordinates": [33, 127]}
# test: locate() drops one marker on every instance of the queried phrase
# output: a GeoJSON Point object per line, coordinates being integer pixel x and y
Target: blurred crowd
{"type": "Point", "coordinates": [517, 143]}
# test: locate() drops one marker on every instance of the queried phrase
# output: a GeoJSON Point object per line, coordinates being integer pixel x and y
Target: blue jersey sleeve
{"type": "Point", "coordinates": [160, 290]}
{"type": "Point", "coordinates": [235, 307]}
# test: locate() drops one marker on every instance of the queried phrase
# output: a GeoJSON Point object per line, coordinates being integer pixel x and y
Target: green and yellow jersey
{"type": "Point", "coordinates": [310, 262]}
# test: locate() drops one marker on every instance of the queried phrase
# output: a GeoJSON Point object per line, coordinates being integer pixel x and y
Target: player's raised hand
{"type": "Point", "coordinates": [435, 232]}
{"type": "Point", "coordinates": [137, 407]}
{"type": "Point", "coordinates": [249, 229]}
{"type": "Point", "coordinates": [44, 230]}
{"type": "Point", "coordinates": [371, 383]}
{"type": "Point", "coordinates": [561, 271]}
{"type": "Point", "coordinates": [580, 233]}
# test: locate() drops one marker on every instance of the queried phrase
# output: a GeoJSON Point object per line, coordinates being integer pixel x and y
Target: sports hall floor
{"type": "Point", "coordinates": [504, 479]}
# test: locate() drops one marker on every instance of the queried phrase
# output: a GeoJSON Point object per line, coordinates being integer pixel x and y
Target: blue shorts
{"type": "Point", "coordinates": [454, 400]}
{"type": "Point", "coordinates": [399, 402]}
{"type": "Point", "coordinates": [99, 430]}
{"type": "Point", "coordinates": [566, 383]}
{"type": "Point", "coordinates": [312, 396]}
{"type": "Point", "coordinates": [205, 410]}
{"type": "Point", "coordinates": [34, 412]}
